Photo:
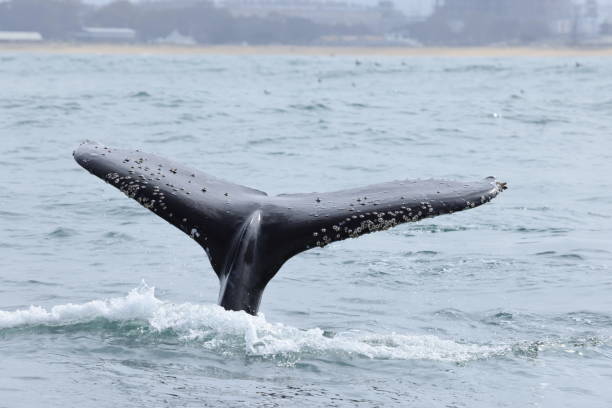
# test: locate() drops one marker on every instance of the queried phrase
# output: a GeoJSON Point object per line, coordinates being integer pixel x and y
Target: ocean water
{"type": "Point", "coordinates": [102, 304]}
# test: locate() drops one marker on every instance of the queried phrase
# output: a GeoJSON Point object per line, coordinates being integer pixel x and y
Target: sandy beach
{"type": "Point", "coordinates": [144, 49]}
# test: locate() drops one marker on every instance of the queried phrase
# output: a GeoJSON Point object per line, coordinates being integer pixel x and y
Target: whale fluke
{"type": "Point", "coordinates": [249, 235]}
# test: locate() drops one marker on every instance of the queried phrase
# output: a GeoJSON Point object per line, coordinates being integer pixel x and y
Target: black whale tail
{"type": "Point", "coordinates": [224, 218]}
{"type": "Point", "coordinates": [249, 235]}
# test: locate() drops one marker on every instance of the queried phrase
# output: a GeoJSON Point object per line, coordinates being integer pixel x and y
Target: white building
{"type": "Point", "coordinates": [20, 36]}
{"type": "Point", "coordinates": [107, 34]}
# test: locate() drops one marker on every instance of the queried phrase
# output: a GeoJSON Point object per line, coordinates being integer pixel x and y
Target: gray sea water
{"type": "Point", "coordinates": [102, 304]}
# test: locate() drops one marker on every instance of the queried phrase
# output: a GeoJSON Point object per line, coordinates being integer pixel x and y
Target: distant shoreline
{"type": "Point", "coordinates": [153, 49]}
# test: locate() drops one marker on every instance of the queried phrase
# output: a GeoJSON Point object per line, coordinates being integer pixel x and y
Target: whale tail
{"type": "Point", "coordinates": [249, 235]}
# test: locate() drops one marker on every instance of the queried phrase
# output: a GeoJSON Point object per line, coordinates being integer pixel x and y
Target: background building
{"type": "Point", "coordinates": [381, 17]}
{"type": "Point", "coordinates": [20, 36]}
{"type": "Point", "coordinates": [477, 22]}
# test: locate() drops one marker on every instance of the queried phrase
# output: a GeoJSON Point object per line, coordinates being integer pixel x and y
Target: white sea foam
{"type": "Point", "coordinates": [140, 303]}
{"type": "Point", "coordinates": [224, 331]}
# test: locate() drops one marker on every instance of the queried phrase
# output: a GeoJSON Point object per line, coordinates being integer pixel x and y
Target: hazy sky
{"type": "Point", "coordinates": [408, 6]}
{"type": "Point", "coordinates": [415, 6]}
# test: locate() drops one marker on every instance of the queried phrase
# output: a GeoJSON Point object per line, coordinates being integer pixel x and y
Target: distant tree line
{"type": "Point", "coordinates": [54, 19]}
{"type": "Point", "coordinates": [479, 22]}
{"type": "Point", "coordinates": [200, 20]}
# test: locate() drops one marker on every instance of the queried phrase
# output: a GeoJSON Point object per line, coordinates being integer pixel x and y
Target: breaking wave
{"type": "Point", "coordinates": [227, 332]}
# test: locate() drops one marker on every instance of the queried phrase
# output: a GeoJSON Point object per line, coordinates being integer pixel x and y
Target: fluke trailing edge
{"type": "Point", "coordinates": [249, 235]}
